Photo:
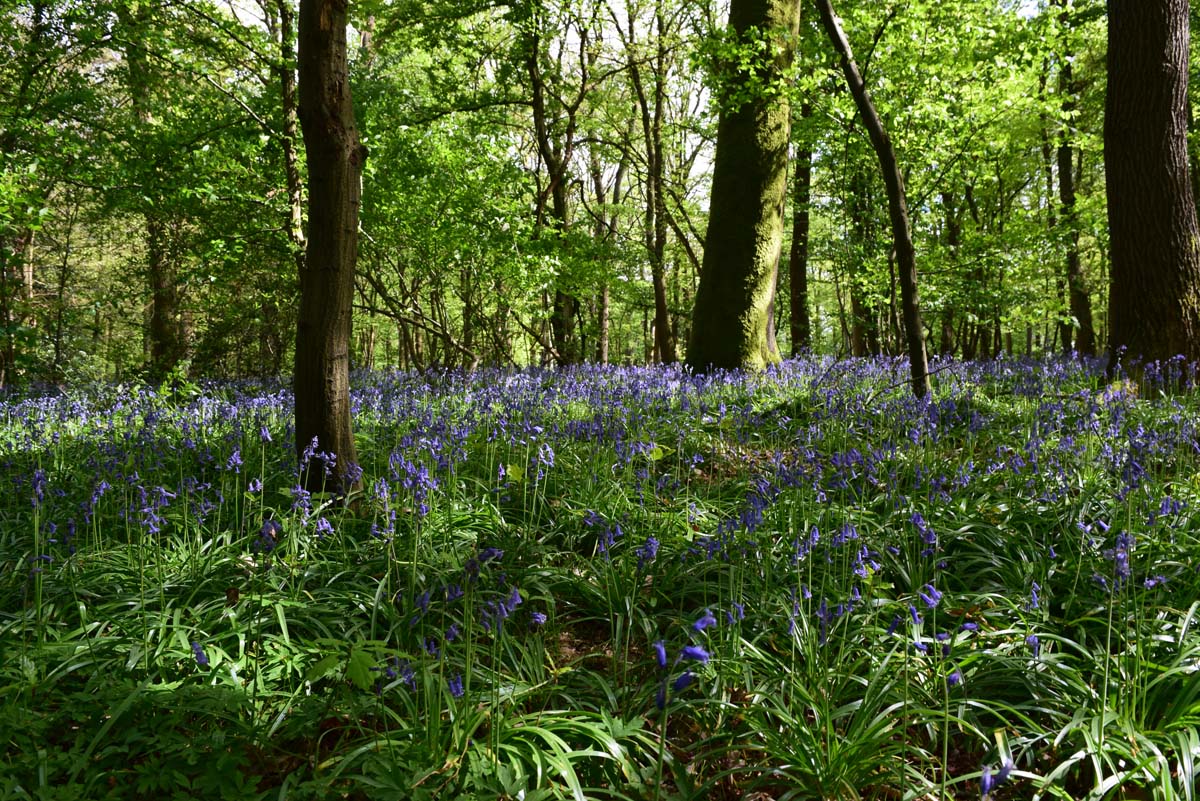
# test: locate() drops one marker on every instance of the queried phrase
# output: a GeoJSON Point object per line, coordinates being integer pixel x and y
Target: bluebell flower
{"type": "Point", "coordinates": [660, 695]}
{"type": "Point", "coordinates": [912, 612]}
{"type": "Point", "coordinates": [954, 679]}
{"type": "Point", "coordinates": [455, 685]}
{"type": "Point", "coordinates": [269, 535]}
{"type": "Point", "coordinates": [660, 654]}
{"type": "Point", "coordinates": [198, 653]}
{"type": "Point", "coordinates": [538, 618]}
{"type": "Point", "coordinates": [704, 621]}
{"type": "Point", "coordinates": [647, 552]}
{"type": "Point", "coordinates": [694, 652]}
{"type": "Point", "coordinates": [986, 782]}
{"type": "Point", "coordinates": [932, 597]}
{"type": "Point", "coordinates": [1034, 644]}
{"type": "Point", "coordinates": [684, 681]}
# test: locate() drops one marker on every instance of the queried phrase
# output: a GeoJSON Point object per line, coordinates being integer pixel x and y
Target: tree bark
{"type": "Point", "coordinates": [732, 313]}
{"type": "Point", "coordinates": [335, 158]}
{"type": "Point", "coordinates": [897, 205]}
{"type": "Point", "coordinates": [1077, 292]}
{"type": "Point", "coordinates": [801, 323]}
{"type": "Point", "coordinates": [1155, 290]}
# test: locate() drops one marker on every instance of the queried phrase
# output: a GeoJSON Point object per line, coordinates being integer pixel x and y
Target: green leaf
{"type": "Point", "coordinates": [358, 669]}
{"type": "Point", "coordinates": [322, 667]}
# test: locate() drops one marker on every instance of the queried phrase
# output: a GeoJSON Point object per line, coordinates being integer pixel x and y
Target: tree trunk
{"type": "Point", "coordinates": [1079, 301]}
{"type": "Point", "coordinates": [801, 323]}
{"type": "Point", "coordinates": [335, 161]}
{"type": "Point", "coordinates": [291, 160]}
{"type": "Point", "coordinates": [556, 155]}
{"type": "Point", "coordinates": [1155, 289]}
{"type": "Point", "coordinates": [732, 313]}
{"type": "Point", "coordinates": [165, 330]}
{"type": "Point", "coordinates": [897, 205]}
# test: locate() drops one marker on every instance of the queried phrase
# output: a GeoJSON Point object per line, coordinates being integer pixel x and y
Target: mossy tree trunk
{"type": "Point", "coordinates": [731, 320]}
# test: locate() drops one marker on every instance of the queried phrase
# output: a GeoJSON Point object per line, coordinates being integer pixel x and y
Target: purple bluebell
{"type": "Point", "coordinates": [269, 535]}
{"type": "Point", "coordinates": [647, 552]}
{"type": "Point", "coordinates": [198, 653]}
{"type": "Point", "coordinates": [694, 652]}
{"type": "Point", "coordinates": [455, 685]}
{"type": "Point", "coordinates": [660, 654]}
{"type": "Point", "coordinates": [704, 621]}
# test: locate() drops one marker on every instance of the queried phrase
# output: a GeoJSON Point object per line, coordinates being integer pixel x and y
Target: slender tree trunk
{"type": "Point", "coordinates": [1155, 291]}
{"type": "Point", "coordinates": [165, 330]}
{"type": "Point", "coordinates": [947, 341]}
{"type": "Point", "coordinates": [732, 314]}
{"type": "Point", "coordinates": [556, 155]}
{"type": "Point", "coordinates": [1079, 300]}
{"type": "Point", "coordinates": [897, 205]}
{"type": "Point", "coordinates": [335, 159]}
{"type": "Point", "coordinates": [291, 156]}
{"type": "Point", "coordinates": [801, 323]}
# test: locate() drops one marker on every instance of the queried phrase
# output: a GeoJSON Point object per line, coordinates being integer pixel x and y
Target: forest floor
{"type": "Point", "coordinates": [609, 583]}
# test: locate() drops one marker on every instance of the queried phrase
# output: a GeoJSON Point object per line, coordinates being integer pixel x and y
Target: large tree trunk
{"type": "Point", "coordinates": [897, 204]}
{"type": "Point", "coordinates": [335, 161]}
{"type": "Point", "coordinates": [801, 324]}
{"type": "Point", "coordinates": [732, 313]}
{"type": "Point", "coordinates": [1155, 291]}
